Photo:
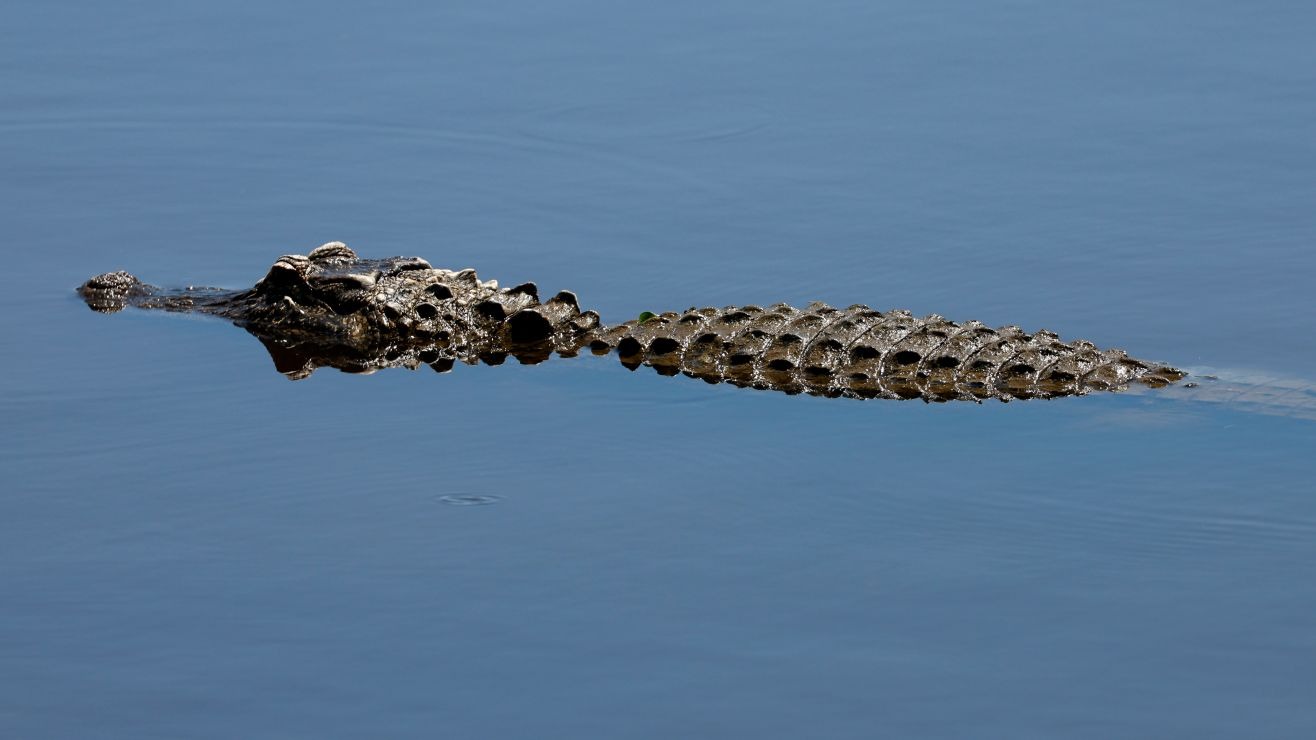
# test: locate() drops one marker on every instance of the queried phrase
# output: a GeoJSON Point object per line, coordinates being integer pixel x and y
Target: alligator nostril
{"type": "Point", "coordinates": [109, 293]}
{"type": "Point", "coordinates": [111, 281]}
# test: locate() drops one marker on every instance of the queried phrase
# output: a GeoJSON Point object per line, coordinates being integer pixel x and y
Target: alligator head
{"type": "Point", "coordinates": [331, 307]}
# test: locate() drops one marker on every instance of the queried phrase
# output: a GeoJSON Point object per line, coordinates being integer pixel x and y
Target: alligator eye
{"type": "Point", "coordinates": [332, 252]}
{"type": "Point", "coordinates": [289, 269]}
{"type": "Point", "coordinates": [412, 263]}
{"type": "Point", "coordinates": [349, 280]}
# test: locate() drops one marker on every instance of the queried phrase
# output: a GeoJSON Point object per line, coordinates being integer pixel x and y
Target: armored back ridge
{"type": "Point", "coordinates": [331, 308]}
{"type": "Point", "coordinates": [857, 352]}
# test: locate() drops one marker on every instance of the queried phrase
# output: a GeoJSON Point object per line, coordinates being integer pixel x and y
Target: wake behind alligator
{"type": "Point", "coordinates": [333, 309]}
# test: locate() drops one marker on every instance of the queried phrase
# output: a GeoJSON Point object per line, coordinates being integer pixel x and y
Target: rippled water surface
{"type": "Point", "coordinates": [193, 546]}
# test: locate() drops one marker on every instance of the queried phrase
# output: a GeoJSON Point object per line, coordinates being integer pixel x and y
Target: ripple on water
{"type": "Point", "coordinates": [468, 499]}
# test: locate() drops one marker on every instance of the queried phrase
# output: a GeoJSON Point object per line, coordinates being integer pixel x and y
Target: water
{"type": "Point", "coordinates": [193, 546]}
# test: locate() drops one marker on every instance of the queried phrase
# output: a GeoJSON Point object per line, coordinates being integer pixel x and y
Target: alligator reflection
{"type": "Point", "coordinates": [298, 361]}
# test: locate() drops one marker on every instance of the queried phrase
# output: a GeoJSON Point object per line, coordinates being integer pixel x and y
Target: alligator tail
{"type": "Point", "coordinates": [858, 352]}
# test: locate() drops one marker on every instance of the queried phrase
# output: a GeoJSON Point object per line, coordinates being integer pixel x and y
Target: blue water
{"type": "Point", "coordinates": [191, 546]}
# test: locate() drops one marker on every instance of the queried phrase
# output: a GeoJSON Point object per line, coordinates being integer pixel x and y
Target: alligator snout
{"type": "Point", "coordinates": [111, 291]}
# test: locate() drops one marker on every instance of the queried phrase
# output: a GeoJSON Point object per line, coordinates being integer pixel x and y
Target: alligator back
{"type": "Point", "coordinates": [858, 352]}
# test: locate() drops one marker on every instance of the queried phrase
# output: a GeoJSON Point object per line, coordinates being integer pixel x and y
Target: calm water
{"type": "Point", "coordinates": [191, 546]}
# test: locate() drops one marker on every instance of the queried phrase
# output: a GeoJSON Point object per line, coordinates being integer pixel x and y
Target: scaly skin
{"type": "Point", "coordinates": [857, 352]}
{"type": "Point", "coordinates": [331, 308]}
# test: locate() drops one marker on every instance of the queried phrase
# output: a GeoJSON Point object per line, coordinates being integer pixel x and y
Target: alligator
{"type": "Point", "coordinates": [332, 308]}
